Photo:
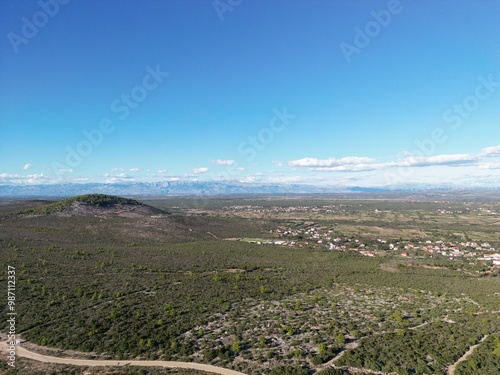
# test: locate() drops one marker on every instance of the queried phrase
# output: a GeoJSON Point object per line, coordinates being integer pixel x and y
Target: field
{"type": "Point", "coordinates": [205, 282]}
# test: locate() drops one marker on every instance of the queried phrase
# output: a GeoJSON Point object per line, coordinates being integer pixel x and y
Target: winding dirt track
{"type": "Point", "coordinates": [451, 369]}
{"type": "Point", "coordinates": [22, 352]}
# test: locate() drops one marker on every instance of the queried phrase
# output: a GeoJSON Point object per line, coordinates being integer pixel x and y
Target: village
{"type": "Point", "coordinates": [480, 256]}
{"type": "Point", "coordinates": [318, 237]}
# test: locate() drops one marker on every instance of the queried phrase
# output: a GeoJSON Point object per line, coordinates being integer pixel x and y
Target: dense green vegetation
{"type": "Point", "coordinates": [333, 371]}
{"type": "Point", "coordinates": [99, 200]}
{"type": "Point", "coordinates": [171, 288]}
{"type": "Point", "coordinates": [485, 360]}
{"type": "Point", "coordinates": [428, 350]}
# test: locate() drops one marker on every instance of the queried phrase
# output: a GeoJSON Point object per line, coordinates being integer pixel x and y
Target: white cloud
{"type": "Point", "coordinates": [27, 166]}
{"type": "Point", "coordinates": [240, 169]}
{"type": "Point", "coordinates": [113, 180]}
{"type": "Point", "coordinates": [65, 170]}
{"type": "Point", "coordinates": [330, 162]}
{"type": "Point", "coordinates": [222, 162]}
{"type": "Point", "coordinates": [404, 154]}
{"type": "Point", "coordinates": [162, 170]}
{"type": "Point", "coordinates": [18, 179]}
{"type": "Point", "coordinates": [134, 170]}
{"type": "Point", "coordinates": [489, 166]}
{"type": "Point", "coordinates": [491, 151]}
{"type": "Point", "coordinates": [175, 179]}
{"type": "Point", "coordinates": [8, 175]}
{"type": "Point", "coordinates": [285, 179]}
{"type": "Point", "coordinates": [118, 169]}
{"type": "Point", "coordinates": [358, 164]}
{"type": "Point", "coordinates": [121, 177]}
{"type": "Point", "coordinates": [277, 163]}
{"type": "Point", "coordinates": [200, 170]}
{"type": "Point", "coordinates": [352, 168]}
{"type": "Point", "coordinates": [423, 161]}
{"type": "Point", "coordinates": [249, 179]}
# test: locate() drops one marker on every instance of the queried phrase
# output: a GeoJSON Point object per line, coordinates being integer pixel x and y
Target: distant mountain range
{"type": "Point", "coordinates": [173, 188]}
{"type": "Point", "coordinates": [184, 188]}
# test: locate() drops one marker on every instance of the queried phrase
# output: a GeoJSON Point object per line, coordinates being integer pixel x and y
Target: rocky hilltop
{"type": "Point", "coordinates": [95, 205]}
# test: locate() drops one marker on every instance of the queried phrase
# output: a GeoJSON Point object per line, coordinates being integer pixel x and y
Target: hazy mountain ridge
{"type": "Point", "coordinates": [179, 188]}
{"type": "Point", "coordinates": [160, 188]}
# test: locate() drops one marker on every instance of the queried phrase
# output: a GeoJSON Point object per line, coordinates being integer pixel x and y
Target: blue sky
{"type": "Point", "coordinates": [326, 92]}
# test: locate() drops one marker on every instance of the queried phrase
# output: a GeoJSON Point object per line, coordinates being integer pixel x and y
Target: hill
{"type": "Point", "coordinates": [94, 205]}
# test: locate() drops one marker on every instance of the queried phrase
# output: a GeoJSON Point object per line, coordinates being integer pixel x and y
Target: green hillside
{"type": "Point", "coordinates": [99, 200]}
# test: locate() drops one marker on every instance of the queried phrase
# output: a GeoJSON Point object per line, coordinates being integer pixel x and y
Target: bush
{"type": "Point", "coordinates": [288, 370]}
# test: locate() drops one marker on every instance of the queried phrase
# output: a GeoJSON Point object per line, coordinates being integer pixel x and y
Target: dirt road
{"type": "Point", "coordinates": [451, 369]}
{"type": "Point", "coordinates": [22, 352]}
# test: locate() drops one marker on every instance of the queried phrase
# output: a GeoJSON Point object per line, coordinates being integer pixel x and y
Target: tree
{"type": "Point", "coordinates": [397, 316]}
{"type": "Point", "coordinates": [236, 346]}
{"type": "Point", "coordinates": [321, 348]}
{"type": "Point", "coordinates": [340, 338]}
